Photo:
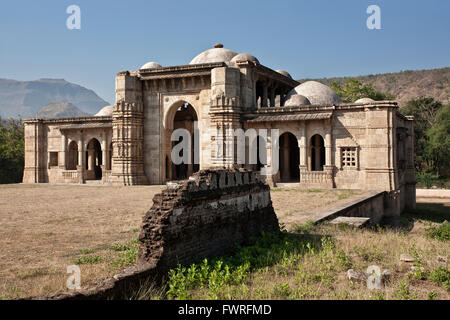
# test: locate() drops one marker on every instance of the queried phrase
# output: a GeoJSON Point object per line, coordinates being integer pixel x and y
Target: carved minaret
{"type": "Point", "coordinates": [127, 160]}
{"type": "Point", "coordinates": [225, 112]}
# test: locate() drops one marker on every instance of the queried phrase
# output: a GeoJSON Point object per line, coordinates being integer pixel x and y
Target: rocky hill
{"type": "Point", "coordinates": [406, 85]}
{"type": "Point", "coordinates": [61, 110]}
{"type": "Point", "coordinates": [25, 98]}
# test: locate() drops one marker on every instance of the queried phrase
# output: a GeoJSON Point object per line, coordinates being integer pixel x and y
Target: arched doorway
{"type": "Point", "coordinates": [316, 153]}
{"type": "Point", "coordinates": [93, 160]}
{"type": "Point", "coordinates": [72, 156]}
{"type": "Point", "coordinates": [289, 158]}
{"type": "Point", "coordinates": [185, 118]}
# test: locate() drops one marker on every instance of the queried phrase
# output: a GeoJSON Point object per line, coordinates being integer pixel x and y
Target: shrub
{"type": "Point", "coordinates": [440, 231]}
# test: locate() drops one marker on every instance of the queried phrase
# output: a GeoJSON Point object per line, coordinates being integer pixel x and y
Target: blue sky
{"type": "Point", "coordinates": [309, 39]}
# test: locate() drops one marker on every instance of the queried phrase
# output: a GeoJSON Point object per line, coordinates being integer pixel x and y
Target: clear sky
{"type": "Point", "coordinates": [309, 39]}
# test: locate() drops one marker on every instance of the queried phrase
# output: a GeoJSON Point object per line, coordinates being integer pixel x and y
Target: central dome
{"type": "Point", "coordinates": [316, 93]}
{"type": "Point", "coordinates": [216, 54]}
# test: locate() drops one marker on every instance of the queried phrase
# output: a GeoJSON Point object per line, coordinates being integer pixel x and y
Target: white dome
{"type": "Point", "coordinates": [105, 112]}
{"type": "Point", "coordinates": [364, 100]}
{"type": "Point", "coordinates": [297, 100]}
{"type": "Point", "coordinates": [316, 92]}
{"type": "Point", "coordinates": [244, 57]}
{"type": "Point", "coordinates": [284, 73]}
{"type": "Point", "coordinates": [216, 54]}
{"type": "Point", "coordinates": [151, 65]}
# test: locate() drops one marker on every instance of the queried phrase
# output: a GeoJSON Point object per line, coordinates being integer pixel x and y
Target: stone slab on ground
{"type": "Point", "coordinates": [353, 221]}
{"type": "Point", "coordinates": [433, 193]}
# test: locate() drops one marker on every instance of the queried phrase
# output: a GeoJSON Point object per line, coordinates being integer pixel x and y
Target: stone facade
{"type": "Point", "coordinates": [323, 143]}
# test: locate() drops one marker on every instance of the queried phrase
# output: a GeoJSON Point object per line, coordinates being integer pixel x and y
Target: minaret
{"type": "Point", "coordinates": [128, 139]}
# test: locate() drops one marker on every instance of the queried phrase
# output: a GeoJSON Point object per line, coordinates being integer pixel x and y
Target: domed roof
{"type": "Point", "coordinates": [216, 54]}
{"type": "Point", "coordinates": [297, 100]}
{"type": "Point", "coordinates": [151, 65]}
{"type": "Point", "coordinates": [284, 73]}
{"type": "Point", "coordinates": [244, 57]}
{"type": "Point", "coordinates": [364, 100]}
{"type": "Point", "coordinates": [105, 112]}
{"type": "Point", "coordinates": [316, 92]}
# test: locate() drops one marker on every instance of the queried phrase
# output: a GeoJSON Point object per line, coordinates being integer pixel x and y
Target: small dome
{"type": "Point", "coordinates": [151, 65]}
{"type": "Point", "coordinates": [316, 92]}
{"type": "Point", "coordinates": [216, 54]}
{"type": "Point", "coordinates": [284, 73]}
{"type": "Point", "coordinates": [244, 57]}
{"type": "Point", "coordinates": [297, 100]}
{"type": "Point", "coordinates": [105, 112]}
{"type": "Point", "coordinates": [364, 100]}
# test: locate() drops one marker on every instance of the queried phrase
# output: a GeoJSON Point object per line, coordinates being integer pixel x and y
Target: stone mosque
{"type": "Point", "coordinates": [324, 143]}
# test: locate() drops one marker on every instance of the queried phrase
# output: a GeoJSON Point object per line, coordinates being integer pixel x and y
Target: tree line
{"type": "Point", "coordinates": [11, 150]}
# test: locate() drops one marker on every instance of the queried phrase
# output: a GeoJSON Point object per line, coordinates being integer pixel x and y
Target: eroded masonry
{"type": "Point", "coordinates": [323, 143]}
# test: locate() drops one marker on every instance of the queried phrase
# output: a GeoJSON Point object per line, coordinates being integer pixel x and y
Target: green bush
{"type": "Point", "coordinates": [441, 276]}
{"type": "Point", "coordinates": [440, 231]}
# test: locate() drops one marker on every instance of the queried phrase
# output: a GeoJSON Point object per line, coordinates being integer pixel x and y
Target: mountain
{"type": "Point", "coordinates": [406, 85]}
{"type": "Point", "coordinates": [25, 98]}
{"type": "Point", "coordinates": [61, 110]}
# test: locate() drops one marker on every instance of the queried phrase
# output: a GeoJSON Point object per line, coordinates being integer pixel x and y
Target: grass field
{"type": "Point", "coordinates": [46, 228]}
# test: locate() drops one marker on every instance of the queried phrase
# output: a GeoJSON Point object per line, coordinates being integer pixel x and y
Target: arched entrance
{"type": "Point", "coordinates": [316, 153]}
{"type": "Point", "coordinates": [72, 156]}
{"type": "Point", "coordinates": [289, 158]}
{"type": "Point", "coordinates": [185, 118]}
{"type": "Point", "coordinates": [93, 160]}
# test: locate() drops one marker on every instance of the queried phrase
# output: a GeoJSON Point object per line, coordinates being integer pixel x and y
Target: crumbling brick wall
{"type": "Point", "coordinates": [205, 216]}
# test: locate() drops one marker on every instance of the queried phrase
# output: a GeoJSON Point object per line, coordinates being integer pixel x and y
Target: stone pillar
{"type": "Point", "coordinates": [264, 96]}
{"type": "Point", "coordinates": [328, 149]}
{"type": "Point", "coordinates": [81, 165]}
{"type": "Point", "coordinates": [303, 145]}
{"type": "Point", "coordinates": [62, 158]}
{"type": "Point", "coordinates": [282, 99]}
{"type": "Point", "coordinates": [272, 97]}
{"type": "Point", "coordinates": [270, 178]}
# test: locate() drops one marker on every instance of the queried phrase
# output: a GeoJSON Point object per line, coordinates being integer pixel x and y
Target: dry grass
{"type": "Point", "coordinates": [45, 228]}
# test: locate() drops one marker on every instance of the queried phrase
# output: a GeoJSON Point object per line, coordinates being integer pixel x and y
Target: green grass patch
{"type": "Point", "coordinates": [127, 253]}
{"type": "Point", "coordinates": [88, 260]}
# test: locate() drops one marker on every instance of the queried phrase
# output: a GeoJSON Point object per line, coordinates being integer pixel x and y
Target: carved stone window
{"type": "Point", "coordinates": [349, 158]}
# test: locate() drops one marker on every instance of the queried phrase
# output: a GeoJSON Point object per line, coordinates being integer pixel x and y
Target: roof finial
{"type": "Point", "coordinates": [218, 45]}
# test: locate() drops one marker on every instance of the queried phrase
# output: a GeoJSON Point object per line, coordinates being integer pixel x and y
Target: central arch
{"type": "Point", "coordinates": [184, 117]}
{"type": "Point", "coordinates": [289, 158]}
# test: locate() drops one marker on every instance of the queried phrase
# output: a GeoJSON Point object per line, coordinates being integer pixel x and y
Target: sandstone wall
{"type": "Point", "coordinates": [205, 216]}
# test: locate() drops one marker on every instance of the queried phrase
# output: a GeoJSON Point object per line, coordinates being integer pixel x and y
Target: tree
{"type": "Point", "coordinates": [424, 111]}
{"type": "Point", "coordinates": [353, 90]}
{"type": "Point", "coordinates": [11, 150]}
{"type": "Point", "coordinates": [438, 147]}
